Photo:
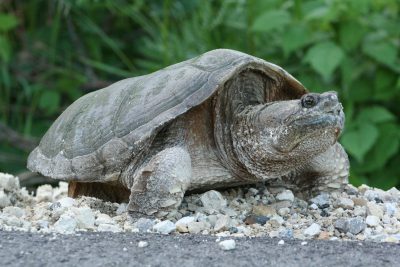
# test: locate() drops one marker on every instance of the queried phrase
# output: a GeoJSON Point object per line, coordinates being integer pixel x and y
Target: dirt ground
{"type": "Point", "coordinates": [121, 249]}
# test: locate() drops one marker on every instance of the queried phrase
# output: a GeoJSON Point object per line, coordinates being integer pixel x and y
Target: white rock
{"type": "Point", "coordinates": [281, 242]}
{"type": "Point", "coordinates": [313, 206]}
{"type": "Point", "coordinates": [197, 227]}
{"type": "Point", "coordinates": [8, 182]}
{"type": "Point", "coordinates": [213, 200]}
{"type": "Point", "coordinates": [44, 193]}
{"type": "Point", "coordinates": [283, 211]}
{"type": "Point", "coordinates": [200, 217]}
{"type": "Point", "coordinates": [303, 243]}
{"type": "Point", "coordinates": [122, 208]}
{"type": "Point", "coordinates": [372, 220]}
{"type": "Point", "coordinates": [222, 223]}
{"type": "Point", "coordinates": [164, 227]}
{"type": "Point", "coordinates": [227, 244]}
{"type": "Point", "coordinates": [360, 211]}
{"type": "Point", "coordinates": [66, 202]}
{"type": "Point", "coordinates": [374, 209]}
{"type": "Point", "coordinates": [60, 191]}
{"type": "Point", "coordinates": [103, 218]}
{"type": "Point", "coordinates": [276, 221]}
{"type": "Point", "coordinates": [285, 195]}
{"type": "Point", "coordinates": [313, 230]}
{"type": "Point", "coordinates": [4, 199]}
{"type": "Point", "coordinates": [243, 230]}
{"type": "Point", "coordinates": [14, 211]}
{"type": "Point", "coordinates": [42, 224]}
{"type": "Point", "coordinates": [144, 224]}
{"type": "Point", "coordinates": [142, 244]}
{"type": "Point", "coordinates": [84, 217]}
{"type": "Point", "coordinates": [371, 194]}
{"type": "Point", "coordinates": [395, 193]}
{"type": "Point", "coordinates": [66, 224]}
{"type": "Point", "coordinates": [182, 224]}
{"type": "Point", "coordinates": [129, 227]}
{"type": "Point", "coordinates": [390, 208]}
{"type": "Point", "coordinates": [185, 220]}
{"type": "Point", "coordinates": [105, 227]}
{"type": "Point", "coordinates": [10, 220]}
{"type": "Point", "coordinates": [345, 203]}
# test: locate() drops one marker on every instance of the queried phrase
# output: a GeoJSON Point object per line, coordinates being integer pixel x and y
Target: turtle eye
{"type": "Point", "coordinates": [309, 101]}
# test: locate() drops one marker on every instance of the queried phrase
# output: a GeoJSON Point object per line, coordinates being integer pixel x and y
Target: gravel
{"type": "Point", "coordinates": [361, 213]}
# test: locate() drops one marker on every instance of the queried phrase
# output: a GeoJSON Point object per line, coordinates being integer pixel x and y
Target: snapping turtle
{"type": "Point", "coordinates": [221, 119]}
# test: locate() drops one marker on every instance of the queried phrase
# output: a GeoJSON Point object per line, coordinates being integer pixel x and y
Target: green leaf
{"type": "Point", "coordinates": [107, 68]}
{"type": "Point", "coordinates": [295, 38]}
{"type": "Point", "coordinates": [357, 180]}
{"type": "Point", "coordinates": [7, 22]}
{"type": "Point", "coordinates": [360, 90]}
{"type": "Point", "coordinates": [349, 70]}
{"type": "Point", "coordinates": [325, 58]}
{"type": "Point", "coordinates": [387, 177]}
{"type": "Point", "coordinates": [375, 114]}
{"type": "Point", "coordinates": [383, 85]}
{"type": "Point", "coordinates": [386, 146]}
{"type": "Point", "coordinates": [5, 49]}
{"type": "Point", "coordinates": [271, 20]}
{"type": "Point", "coordinates": [382, 52]}
{"type": "Point", "coordinates": [317, 13]}
{"type": "Point", "coordinates": [350, 35]}
{"type": "Point", "coordinates": [49, 101]}
{"type": "Point", "coordinates": [359, 140]}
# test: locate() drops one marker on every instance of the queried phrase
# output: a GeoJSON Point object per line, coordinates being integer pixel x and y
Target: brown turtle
{"type": "Point", "coordinates": [221, 119]}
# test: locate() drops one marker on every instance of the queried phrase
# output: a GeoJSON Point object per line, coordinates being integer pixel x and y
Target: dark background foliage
{"type": "Point", "coordinates": [52, 52]}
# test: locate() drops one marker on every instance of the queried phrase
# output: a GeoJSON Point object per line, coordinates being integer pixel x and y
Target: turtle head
{"type": "Point", "coordinates": [306, 125]}
{"type": "Point", "coordinates": [271, 139]}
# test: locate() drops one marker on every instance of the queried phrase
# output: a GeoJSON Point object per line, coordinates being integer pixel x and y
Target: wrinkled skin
{"type": "Point", "coordinates": [288, 139]}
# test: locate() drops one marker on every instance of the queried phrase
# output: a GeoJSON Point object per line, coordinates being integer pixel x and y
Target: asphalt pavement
{"type": "Point", "coordinates": [121, 249]}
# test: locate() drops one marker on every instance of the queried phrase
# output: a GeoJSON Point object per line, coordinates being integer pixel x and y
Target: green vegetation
{"type": "Point", "coordinates": [52, 52]}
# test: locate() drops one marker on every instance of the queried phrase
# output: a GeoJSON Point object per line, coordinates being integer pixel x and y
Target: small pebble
{"type": "Point", "coordinates": [142, 244]}
{"type": "Point", "coordinates": [285, 195]}
{"type": "Point", "coordinates": [372, 220]}
{"type": "Point", "coordinates": [164, 227]}
{"type": "Point", "coordinates": [213, 200]}
{"type": "Point", "coordinates": [313, 230]}
{"type": "Point", "coordinates": [227, 244]}
{"type": "Point", "coordinates": [281, 242]}
{"type": "Point", "coordinates": [252, 219]}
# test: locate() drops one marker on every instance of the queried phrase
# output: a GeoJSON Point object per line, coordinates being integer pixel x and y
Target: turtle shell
{"type": "Point", "coordinates": [97, 136]}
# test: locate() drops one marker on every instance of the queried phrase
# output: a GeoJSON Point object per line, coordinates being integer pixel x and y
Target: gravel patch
{"type": "Point", "coordinates": [362, 213]}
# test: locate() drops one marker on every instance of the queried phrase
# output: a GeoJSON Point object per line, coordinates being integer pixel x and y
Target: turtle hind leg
{"type": "Point", "coordinates": [159, 186]}
{"type": "Point", "coordinates": [104, 191]}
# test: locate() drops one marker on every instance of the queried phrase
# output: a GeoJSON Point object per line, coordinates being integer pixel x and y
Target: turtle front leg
{"type": "Point", "coordinates": [326, 172]}
{"type": "Point", "coordinates": [159, 186]}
